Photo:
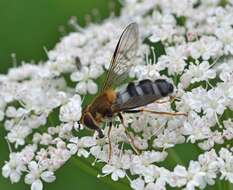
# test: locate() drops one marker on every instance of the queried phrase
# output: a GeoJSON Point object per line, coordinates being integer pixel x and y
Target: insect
{"type": "Point", "coordinates": [110, 102]}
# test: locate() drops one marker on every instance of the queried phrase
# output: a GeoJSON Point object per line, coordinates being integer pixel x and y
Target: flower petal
{"type": "Point", "coordinates": [33, 166]}
{"type": "Point", "coordinates": [48, 176]}
{"type": "Point", "coordinates": [72, 148]}
{"type": "Point", "coordinates": [77, 76]}
{"type": "Point", "coordinates": [15, 177]}
{"type": "Point", "coordinates": [6, 170]}
{"type": "Point", "coordinates": [37, 185]}
{"type": "Point", "coordinates": [81, 87]}
{"type": "Point", "coordinates": [29, 179]}
{"type": "Point", "coordinates": [107, 169]}
{"type": "Point", "coordinates": [92, 88]}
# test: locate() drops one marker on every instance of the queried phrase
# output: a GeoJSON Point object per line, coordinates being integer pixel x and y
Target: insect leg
{"type": "Point", "coordinates": [171, 99]}
{"type": "Point", "coordinates": [131, 141]}
{"type": "Point", "coordinates": [109, 142]}
{"type": "Point", "coordinates": [156, 112]}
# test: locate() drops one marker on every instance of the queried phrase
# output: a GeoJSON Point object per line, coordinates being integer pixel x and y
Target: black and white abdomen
{"type": "Point", "coordinates": [142, 93]}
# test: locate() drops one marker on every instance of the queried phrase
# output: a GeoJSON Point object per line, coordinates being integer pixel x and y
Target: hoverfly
{"type": "Point", "coordinates": [109, 102]}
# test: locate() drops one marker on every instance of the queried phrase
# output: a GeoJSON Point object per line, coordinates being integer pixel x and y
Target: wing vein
{"type": "Point", "coordinates": [122, 57]}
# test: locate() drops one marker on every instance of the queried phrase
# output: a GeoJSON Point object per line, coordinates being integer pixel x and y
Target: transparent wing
{"type": "Point", "coordinates": [122, 58]}
{"type": "Point", "coordinates": [134, 102]}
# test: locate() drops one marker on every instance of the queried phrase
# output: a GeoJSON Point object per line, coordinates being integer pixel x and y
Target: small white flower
{"type": "Point", "coordinates": [115, 172]}
{"type": "Point", "coordinates": [196, 128]}
{"type": "Point", "coordinates": [45, 139]}
{"type": "Point", "coordinates": [28, 153]}
{"type": "Point", "coordinates": [36, 173]}
{"type": "Point", "coordinates": [195, 176]}
{"type": "Point", "coordinates": [228, 131]}
{"type": "Point", "coordinates": [57, 156]}
{"type": "Point", "coordinates": [71, 111]}
{"type": "Point", "coordinates": [225, 164]}
{"type": "Point", "coordinates": [226, 70]}
{"type": "Point", "coordinates": [150, 173]}
{"type": "Point", "coordinates": [196, 73]}
{"type": "Point", "coordinates": [18, 134]}
{"type": "Point", "coordinates": [214, 102]}
{"type": "Point", "coordinates": [84, 78]}
{"type": "Point", "coordinates": [14, 168]}
{"type": "Point", "coordinates": [78, 145]}
{"type": "Point", "coordinates": [174, 61]}
{"type": "Point", "coordinates": [206, 47]}
{"type": "Point", "coordinates": [137, 184]}
{"type": "Point", "coordinates": [224, 34]}
{"type": "Point", "coordinates": [179, 176]}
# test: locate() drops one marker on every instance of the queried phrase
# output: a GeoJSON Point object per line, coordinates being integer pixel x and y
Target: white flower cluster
{"type": "Point", "coordinates": [189, 43]}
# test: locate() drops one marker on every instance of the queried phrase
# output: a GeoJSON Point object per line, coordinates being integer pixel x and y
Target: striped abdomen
{"type": "Point", "coordinates": [142, 93]}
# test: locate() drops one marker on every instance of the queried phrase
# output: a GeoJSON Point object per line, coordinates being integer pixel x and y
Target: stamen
{"type": "Point", "coordinates": [217, 120]}
{"type": "Point", "coordinates": [99, 176]}
{"type": "Point", "coordinates": [93, 163]}
{"type": "Point", "coordinates": [46, 51]}
{"type": "Point", "coordinates": [73, 22]}
{"type": "Point", "coordinates": [8, 144]}
{"type": "Point", "coordinates": [121, 152]}
{"type": "Point", "coordinates": [14, 60]}
{"type": "Point", "coordinates": [153, 53]}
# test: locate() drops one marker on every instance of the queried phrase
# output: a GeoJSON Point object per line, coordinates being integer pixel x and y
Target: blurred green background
{"type": "Point", "coordinates": [26, 27]}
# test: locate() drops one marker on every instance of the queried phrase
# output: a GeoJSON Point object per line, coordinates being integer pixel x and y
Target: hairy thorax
{"type": "Point", "coordinates": [101, 107]}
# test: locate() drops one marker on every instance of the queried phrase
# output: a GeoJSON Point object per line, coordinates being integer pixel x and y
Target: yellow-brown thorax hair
{"type": "Point", "coordinates": [100, 107]}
